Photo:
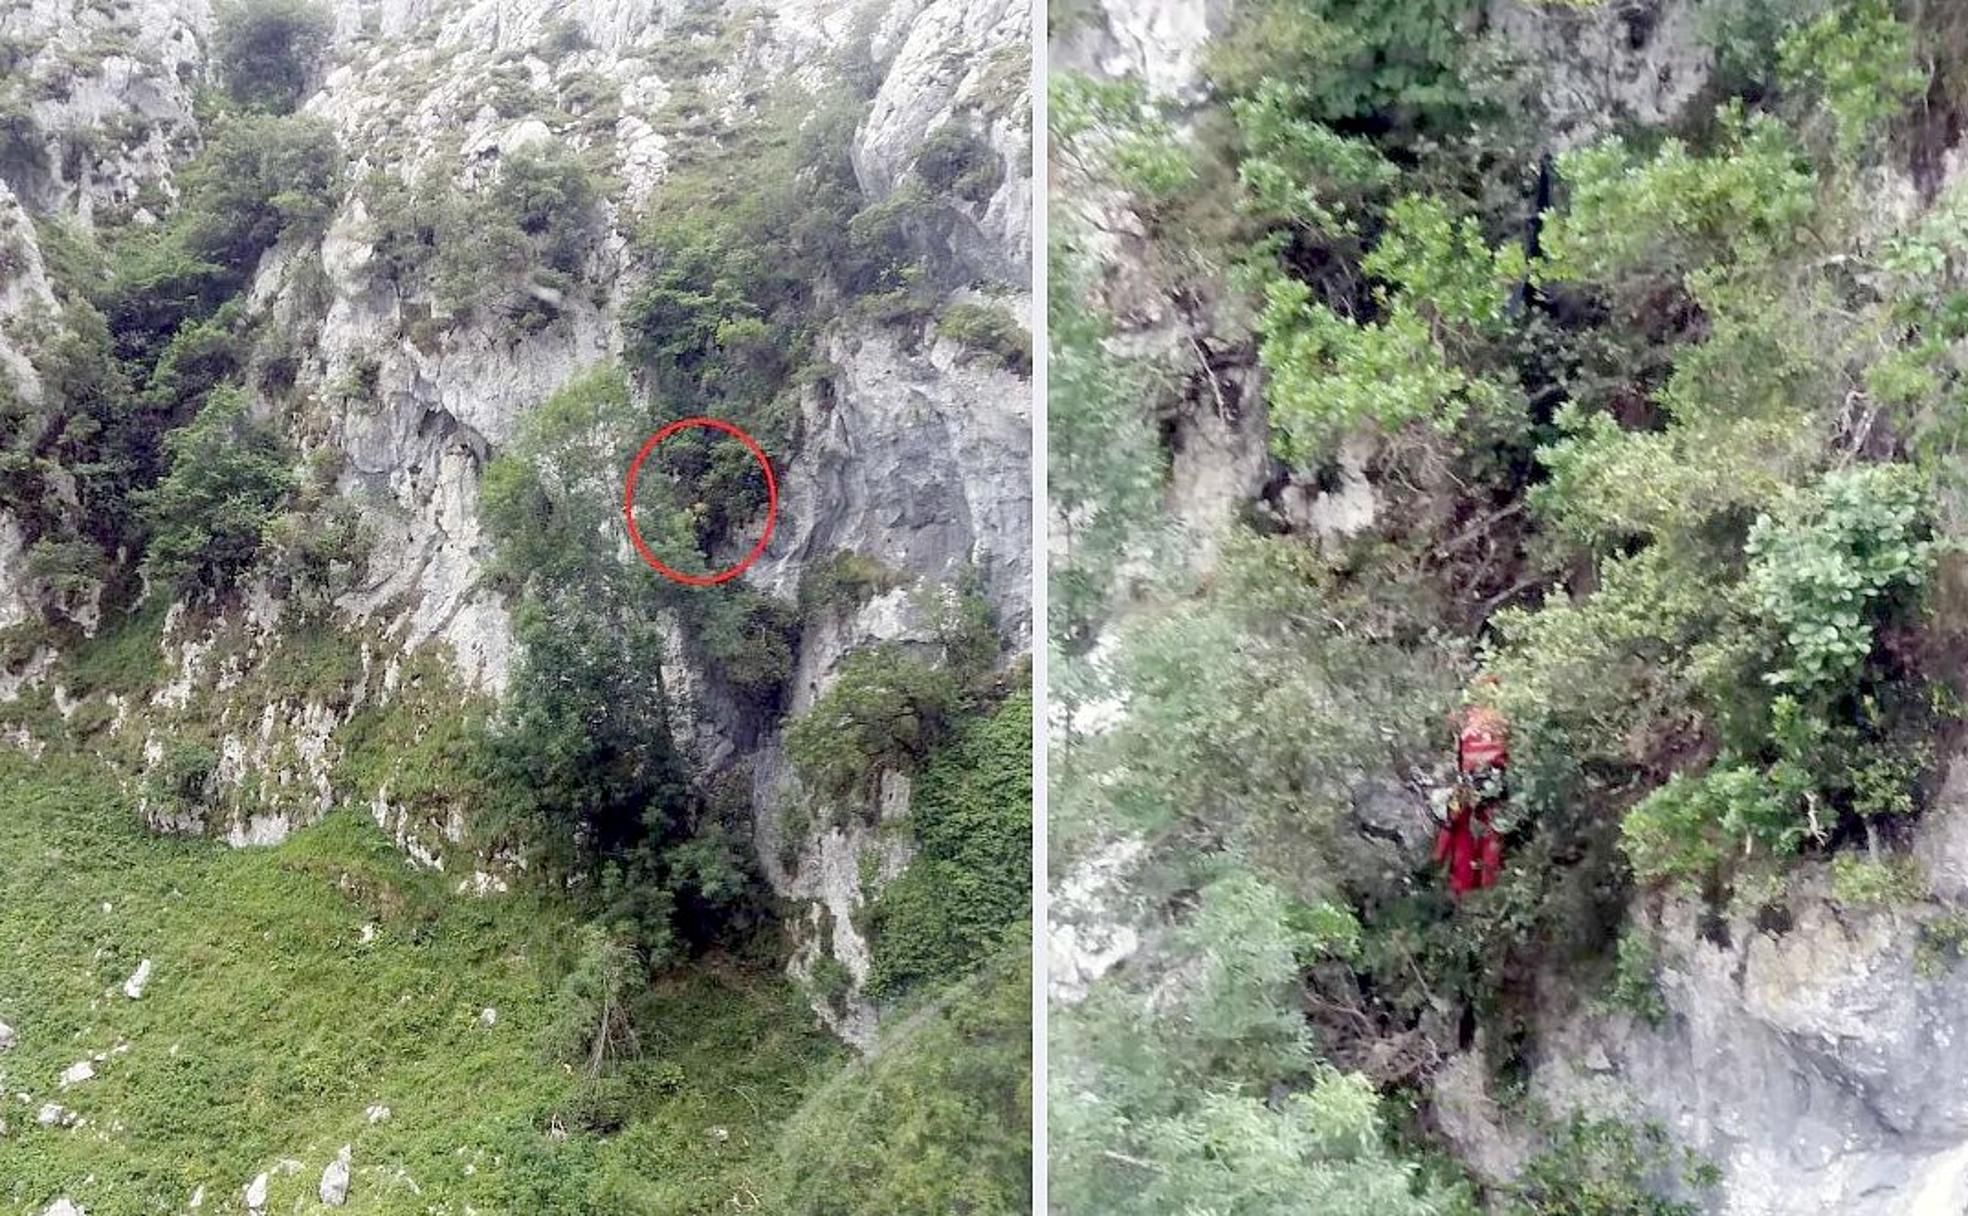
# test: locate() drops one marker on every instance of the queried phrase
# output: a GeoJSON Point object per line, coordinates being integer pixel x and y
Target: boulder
{"type": "Point", "coordinates": [335, 1180]}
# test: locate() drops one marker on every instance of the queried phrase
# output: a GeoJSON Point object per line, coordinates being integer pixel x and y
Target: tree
{"type": "Point", "coordinates": [593, 1022]}
{"type": "Point", "coordinates": [226, 478]}
{"type": "Point", "coordinates": [886, 711]}
{"type": "Point", "coordinates": [266, 50]}
{"type": "Point", "coordinates": [260, 179]}
{"type": "Point", "coordinates": [1161, 1107]}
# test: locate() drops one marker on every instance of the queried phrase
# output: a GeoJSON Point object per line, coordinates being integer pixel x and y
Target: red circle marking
{"type": "Point", "coordinates": [771, 501]}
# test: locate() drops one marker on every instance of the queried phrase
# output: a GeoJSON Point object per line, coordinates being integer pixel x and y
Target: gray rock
{"type": "Point", "coordinates": [1160, 42]}
{"type": "Point", "coordinates": [1942, 844]}
{"type": "Point", "coordinates": [921, 463]}
{"type": "Point", "coordinates": [1816, 1067]}
{"type": "Point", "coordinates": [256, 1193]}
{"type": "Point", "coordinates": [1601, 65]}
{"type": "Point", "coordinates": [961, 62]}
{"type": "Point", "coordinates": [8, 1037]}
{"type": "Point", "coordinates": [138, 981]}
{"type": "Point", "coordinates": [335, 1180]}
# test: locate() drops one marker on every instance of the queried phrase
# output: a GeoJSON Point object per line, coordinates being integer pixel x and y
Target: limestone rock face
{"type": "Point", "coordinates": [1158, 41]}
{"type": "Point", "coordinates": [1814, 1058]}
{"type": "Point", "coordinates": [813, 854]}
{"type": "Point", "coordinates": [25, 295]}
{"type": "Point", "coordinates": [964, 64]}
{"type": "Point", "coordinates": [1603, 65]}
{"type": "Point", "coordinates": [913, 451]}
{"type": "Point", "coordinates": [922, 460]}
{"type": "Point", "coordinates": [111, 90]}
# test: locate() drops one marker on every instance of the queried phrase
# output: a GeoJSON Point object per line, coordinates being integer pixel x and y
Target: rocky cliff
{"type": "Point", "coordinates": [910, 451]}
{"type": "Point", "coordinates": [1803, 1045]}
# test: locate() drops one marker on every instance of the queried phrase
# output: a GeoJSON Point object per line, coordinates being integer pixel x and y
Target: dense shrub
{"type": "Point", "coordinates": [1828, 567]}
{"type": "Point", "coordinates": [266, 50]}
{"type": "Point", "coordinates": [1112, 126]}
{"type": "Point", "coordinates": [886, 710]}
{"type": "Point", "coordinates": [181, 780]}
{"type": "Point", "coordinates": [512, 250]}
{"type": "Point", "coordinates": [748, 636]}
{"type": "Point", "coordinates": [260, 179]}
{"type": "Point", "coordinates": [1858, 58]}
{"type": "Point", "coordinates": [844, 580]}
{"type": "Point", "coordinates": [226, 477]}
{"type": "Point", "coordinates": [750, 253]}
{"type": "Point", "coordinates": [1159, 1107]}
{"type": "Point", "coordinates": [956, 161]}
{"type": "Point", "coordinates": [990, 332]}
{"type": "Point", "coordinates": [593, 1024]}
{"type": "Point", "coordinates": [936, 1121]}
{"type": "Point", "coordinates": [970, 883]}
{"type": "Point", "coordinates": [1604, 1167]}
{"type": "Point", "coordinates": [1398, 66]}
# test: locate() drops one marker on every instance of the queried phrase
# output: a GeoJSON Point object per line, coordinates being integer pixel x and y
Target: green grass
{"type": "Point", "coordinates": [125, 656]}
{"type": "Point", "coordinates": [269, 1026]}
{"type": "Point", "coordinates": [937, 1120]}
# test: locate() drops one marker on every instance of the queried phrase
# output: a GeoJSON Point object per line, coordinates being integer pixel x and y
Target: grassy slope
{"type": "Point", "coordinates": [269, 1026]}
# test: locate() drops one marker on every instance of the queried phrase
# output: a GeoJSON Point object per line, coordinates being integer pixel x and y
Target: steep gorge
{"type": "Point", "coordinates": [481, 250]}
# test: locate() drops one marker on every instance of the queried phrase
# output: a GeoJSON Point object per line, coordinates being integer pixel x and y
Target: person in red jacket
{"type": "Point", "coordinates": [1469, 841]}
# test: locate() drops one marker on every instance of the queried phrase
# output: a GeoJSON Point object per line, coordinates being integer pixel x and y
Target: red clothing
{"type": "Point", "coordinates": [1469, 841]}
{"type": "Point", "coordinates": [1472, 848]}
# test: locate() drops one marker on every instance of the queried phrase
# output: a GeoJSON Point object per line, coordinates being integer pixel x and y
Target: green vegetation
{"type": "Point", "coordinates": [273, 1021]}
{"type": "Point", "coordinates": [513, 249]}
{"type": "Point", "coordinates": [971, 881]}
{"type": "Point", "coordinates": [938, 1120]}
{"type": "Point", "coordinates": [266, 50]}
{"type": "Point", "coordinates": [1662, 439]}
{"type": "Point", "coordinates": [991, 333]}
{"type": "Point", "coordinates": [140, 371]}
{"type": "Point", "coordinates": [885, 712]}
{"type": "Point", "coordinates": [1603, 1167]}
{"type": "Point", "coordinates": [956, 161]}
{"type": "Point", "coordinates": [207, 515]}
{"type": "Point", "coordinates": [1105, 464]}
{"type": "Point", "coordinates": [582, 755]}
{"type": "Point", "coordinates": [844, 581]}
{"type": "Point", "coordinates": [1163, 1109]}
{"type": "Point", "coordinates": [1636, 979]}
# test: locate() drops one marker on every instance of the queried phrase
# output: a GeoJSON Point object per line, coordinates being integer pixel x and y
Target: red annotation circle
{"type": "Point", "coordinates": [771, 501]}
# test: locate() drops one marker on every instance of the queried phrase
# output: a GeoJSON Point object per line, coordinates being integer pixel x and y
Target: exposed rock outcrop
{"type": "Point", "coordinates": [1599, 66]}
{"type": "Point", "coordinates": [962, 65]}
{"type": "Point", "coordinates": [914, 454]}
{"type": "Point", "coordinates": [1810, 1051]}
{"type": "Point", "coordinates": [109, 102]}
{"type": "Point", "coordinates": [334, 1189]}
